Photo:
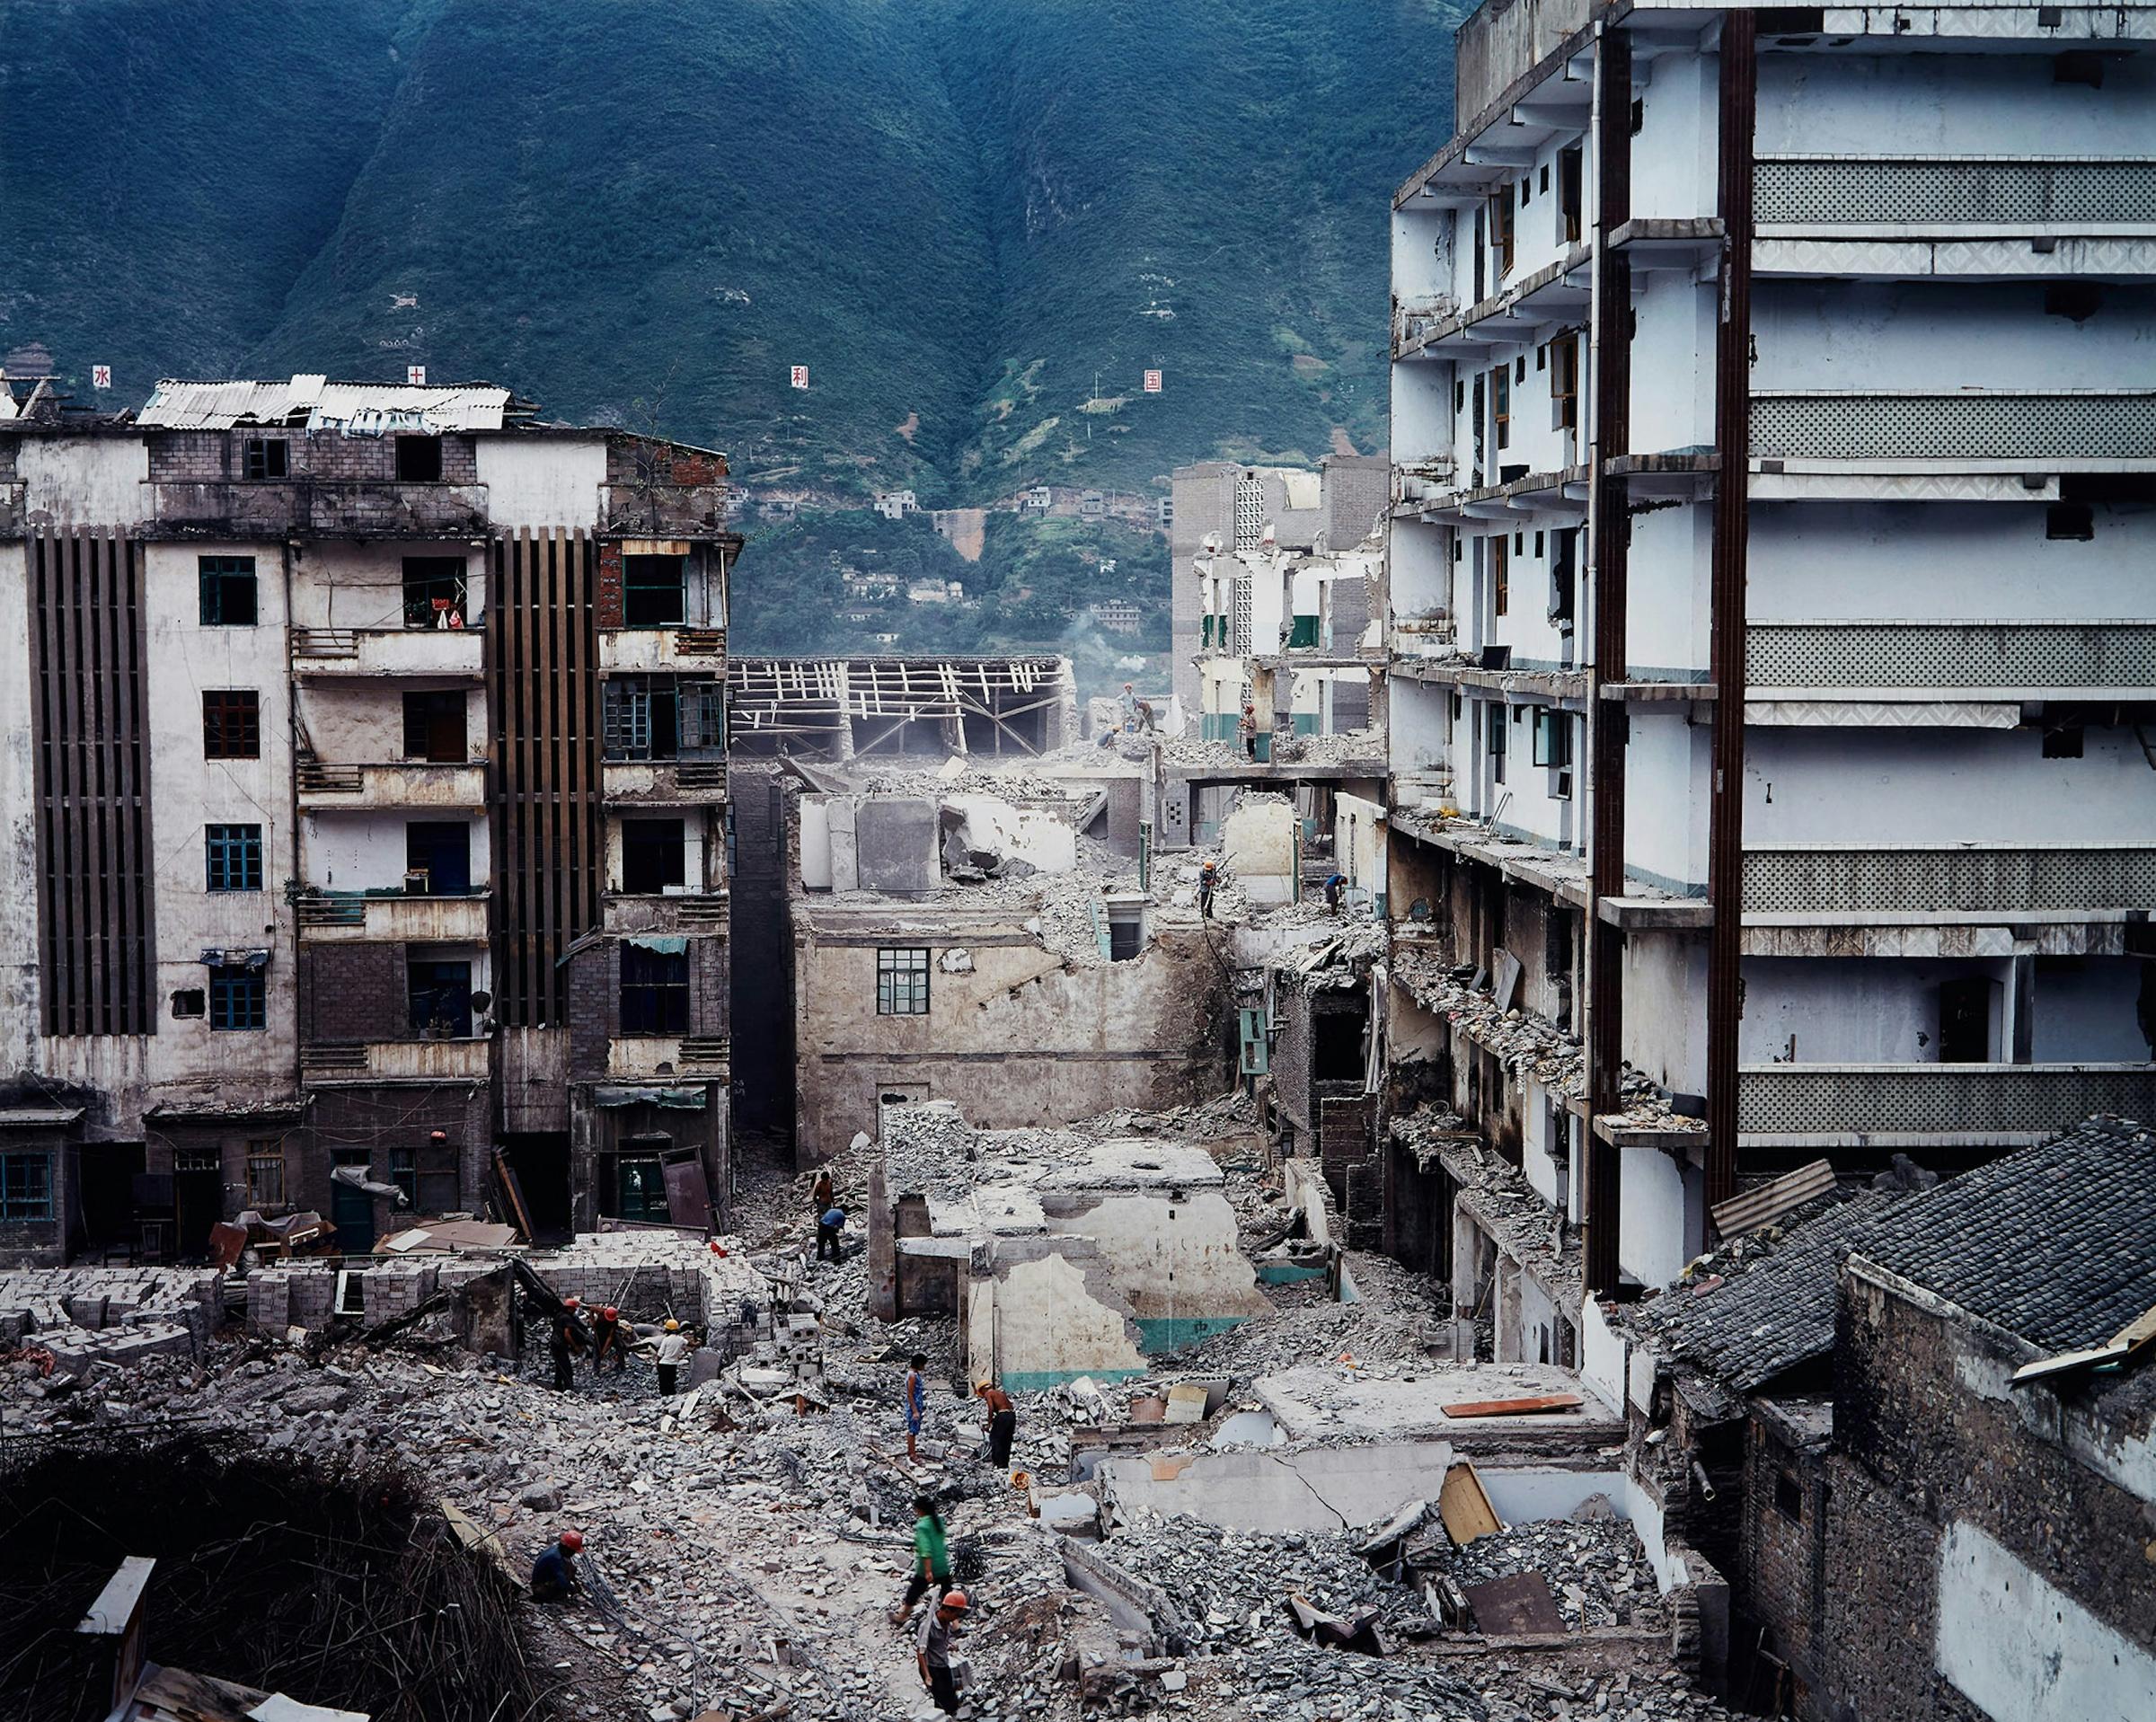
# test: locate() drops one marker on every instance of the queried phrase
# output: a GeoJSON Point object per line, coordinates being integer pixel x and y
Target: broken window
{"type": "Point", "coordinates": [1500, 404]}
{"type": "Point", "coordinates": [1789, 1499]}
{"type": "Point", "coordinates": [239, 999]}
{"type": "Point", "coordinates": [233, 857]}
{"type": "Point", "coordinates": [1564, 384]}
{"type": "Point", "coordinates": [655, 990]}
{"type": "Point", "coordinates": [26, 1184]}
{"type": "Point", "coordinates": [1337, 1046]}
{"type": "Point", "coordinates": [434, 591]}
{"type": "Point", "coordinates": [268, 457]}
{"type": "Point", "coordinates": [2064, 741]}
{"type": "Point", "coordinates": [642, 719]}
{"type": "Point", "coordinates": [654, 856]}
{"type": "Point", "coordinates": [1501, 213]}
{"type": "Point", "coordinates": [190, 1001]}
{"type": "Point", "coordinates": [1125, 932]}
{"type": "Point", "coordinates": [418, 460]}
{"type": "Point", "coordinates": [437, 997]}
{"type": "Point", "coordinates": [265, 1174]}
{"type": "Point", "coordinates": [902, 983]}
{"type": "Point", "coordinates": [1496, 722]}
{"type": "Point", "coordinates": [1568, 193]}
{"type": "Point", "coordinates": [231, 724]}
{"type": "Point", "coordinates": [434, 727]}
{"type": "Point", "coordinates": [1552, 737]}
{"type": "Point", "coordinates": [2070, 520]}
{"type": "Point", "coordinates": [428, 1175]}
{"type": "Point", "coordinates": [227, 591]}
{"type": "Point", "coordinates": [652, 590]}
{"type": "Point", "coordinates": [437, 858]}
{"type": "Point", "coordinates": [1500, 576]}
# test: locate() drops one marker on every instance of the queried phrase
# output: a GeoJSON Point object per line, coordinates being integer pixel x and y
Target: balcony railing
{"type": "Point", "coordinates": [408, 783]}
{"type": "Point", "coordinates": [388, 651]}
{"type": "Point", "coordinates": [469, 1060]}
{"type": "Point", "coordinates": [1981, 1100]}
{"type": "Point", "coordinates": [701, 912]}
{"type": "Point", "coordinates": [2001, 425]}
{"type": "Point", "coordinates": [1950, 655]}
{"type": "Point", "coordinates": [274, 508]}
{"type": "Point", "coordinates": [1947, 192]}
{"type": "Point", "coordinates": [664, 780]}
{"type": "Point", "coordinates": [661, 649]}
{"type": "Point", "coordinates": [1965, 879]}
{"type": "Point", "coordinates": [393, 915]}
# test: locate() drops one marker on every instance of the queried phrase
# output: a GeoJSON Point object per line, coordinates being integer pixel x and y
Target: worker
{"type": "Point", "coordinates": [1246, 728]}
{"type": "Point", "coordinates": [609, 1343]}
{"type": "Point", "coordinates": [931, 1558]}
{"type": "Point", "coordinates": [554, 1572]}
{"type": "Point", "coordinates": [564, 1341]}
{"type": "Point", "coordinates": [1002, 1424]}
{"type": "Point", "coordinates": [1334, 884]}
{"type": "Point", "coordinates": [672, 1350]}
{"type": "Point", "coordinates": [1208, 882]}
{"type": "Point", "coordinates": [829, 1223]}
{"type": "Point", "coordinates": [1130, 710]}
{"type": "Point", "coordinates": [822, 1196]}
{"type": "Point", "coordinates": [932, 1650]}
{"type": "Point", "coordinates": [1145, 722]}
{"type": "Point", "coordinates": [916, 1404]}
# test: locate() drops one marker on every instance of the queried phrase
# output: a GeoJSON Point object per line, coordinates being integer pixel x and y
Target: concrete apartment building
{"type": "Point", "coordinates": [1774, 443]}
{"type": "Point", "coordinates": [366, 769]}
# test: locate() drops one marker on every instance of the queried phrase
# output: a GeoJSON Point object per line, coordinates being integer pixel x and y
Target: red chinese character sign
{"type": "Point", "coordinates": [415, 375]}
{"type": "Point", "coordinates": [801, 377]}
{"type": "Point", "coordinates": [1152, 381]}
{"type": "Point", "coordinates": [101, 376]}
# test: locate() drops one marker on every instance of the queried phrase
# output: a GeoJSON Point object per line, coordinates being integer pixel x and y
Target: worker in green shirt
{"type": "Point", "coordinates": [931, 1558]}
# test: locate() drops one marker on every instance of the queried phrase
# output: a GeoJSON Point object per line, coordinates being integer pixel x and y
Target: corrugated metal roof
{"type": "Point", "coordinates": [360, 408]}
{"type": "Point", "coordinates": [1755, 1207]}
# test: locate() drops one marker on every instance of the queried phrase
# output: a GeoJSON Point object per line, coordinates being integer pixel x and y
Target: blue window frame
{"type": "Point", "coordinates": [227, 591]}
{"type": "Point", "coordinates": [26, 1185]}
{"type": "Point", "coordinates": [239, 999]}
{"type": "Point", "coordinates": [233, 857]}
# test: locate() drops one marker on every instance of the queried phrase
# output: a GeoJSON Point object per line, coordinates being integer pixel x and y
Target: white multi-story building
{"type": "Point", "coordinates": [1771, 605]}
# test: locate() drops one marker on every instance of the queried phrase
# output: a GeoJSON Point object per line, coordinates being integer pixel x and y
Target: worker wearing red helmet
{"type": "Point", "coordinates": [932, 1650]}
{"type": "Point", "coordinates": [554, 1572]}
{"type": "Point", "coordinates": [565, 1338]}
{"type": "Point", "coordinates": [609, 1342]}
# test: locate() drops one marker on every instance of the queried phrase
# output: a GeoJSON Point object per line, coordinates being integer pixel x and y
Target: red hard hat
{"type": "Point", "coordinates": [610, 1313]}
{"type": "Point", "coordinates": [572, 1541]}
{"type": "Point", "coordinates": [572, 1303]}
{"type": "Point", "coordinates": [953, 1599]}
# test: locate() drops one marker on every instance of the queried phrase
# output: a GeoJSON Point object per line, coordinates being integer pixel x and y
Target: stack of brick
{"type": "Point", "coordinates": [395, 1288]}
{"type": "Point", "coordinates": [300, 1295]}
{"type": "Point", "coordinates": [85, 1315]}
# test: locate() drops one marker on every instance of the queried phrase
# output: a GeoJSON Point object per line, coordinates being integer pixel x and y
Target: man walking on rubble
{"type": "Point", "coordinates": [932, 1650]}
{"type": "Point", "coordinates": [565, 1338]}
{"type": "Point", "coordinates": [916, 1404]}
{"type": "Point", "coordinates": [1002, 1424]}
{"type": "Point", "coordinates": [554, 1572]}
{"type": "Point", "coordinates": [610, 1344]}
{"type": "Point", "coordinates": [673, 1351]}
{"type": "Point", "coordinates": [829, 1225]}
{"type": "Point", "coordinates": [1209, 881]}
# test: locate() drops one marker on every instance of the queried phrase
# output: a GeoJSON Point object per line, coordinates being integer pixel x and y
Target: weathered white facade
{"type": "Point", "coordinates": [1774, 469]}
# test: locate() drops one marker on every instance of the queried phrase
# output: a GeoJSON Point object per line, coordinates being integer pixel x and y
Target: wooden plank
{"type": "Point", "coordinates": [1464, 1507]}
{"type": "Point", "coordinates": [1517, 1605]}
{"type": "Point", "coordinates": [1514, 1407]}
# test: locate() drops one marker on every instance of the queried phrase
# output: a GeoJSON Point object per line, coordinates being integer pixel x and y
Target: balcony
{"type": "Point", "coordinates": [683, 913]}
{"type": "Point", "coordinates": [392, 916]}
{"type": "Point", "coordinates": [1831, 193]}
{"type": "Point", "coordinates": [378, 1061]}
{"type": "Point", "coordinates": [1938, 1104]}
{"type": "Point", "coordinates": [1993, 656]}
{"type": "Point", "coordinates": [661, 649]}
{"type": "Point", "coordinates": [388, 651]}
{"type": "Point", "coordinates": [1942, 883]}
{"type": "Point", "coordinates": [2062, 431]}
{"type": "Point", "coordinates": [328, 785]}
{"type": "Point", "coordinates": [662, 510]}
{"type": "Point", "coordinates": [664, 782]}
{"type": "Point", "coordinates": [342, 507]}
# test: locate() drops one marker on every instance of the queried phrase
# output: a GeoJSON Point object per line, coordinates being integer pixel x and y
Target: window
{"type": "Point", "coordinates": [227, 591]}
{"type": "Point", "coordinates": [190, 1001]}
{"type": "Point", "coordinates": [434, 591]}
{"type": "Point", "coordinates": [1519, 368]}
{"type": "Point", "coordinates": [1789, 1499]}
{"type": "Point", "coordinates": [1500, 576]}
{"type": "Point", "coordinates": [418, 460]}
{"type": "Point", "coordinates": [1527, 190]}
{"type": "Point", "coordinates": [2070, 520]}
{"type": "Point", "coordinates": [265, 1174]}
{"type": "Point", "coordinates": [233, 856]}
{"type": "Point", "coordinates": [2064, 741]}
{"type": "Point", "coordinates": [1564, 384]}
{"type": "Point", "coordinates": [642, 717]}
{"type": "Point", "coordinates": [239, 999]}
{"type": "Point", "coordinates": [1494, 717]}
{"type": "Point", "coordinates": [26, 1185]}
{"type": "Point", "coordinates": [434, 727]}
{"type": "Point", "coordinates": [651, 590]}
{"type": "Point", "coordinates": [654, 855]}
{"type": "Point", "coordinates": [1552, 739]}
{"type": "Point", "coordinates": [902, 983]}
{"type": "Point", "coordinates": [268, 457]}
{"type": "Point", "coordinates": [655, 990]}
{"type": "Point", "coordinates": [437, 998]}
{"type": "Point", "coordinates": [437, 858]}
{"type": "Point", "coordinates": [1545, 176]}
{"type": "Point", "coordinates": [428, 1175]}
{"type": "Point", "coordinates": [1501, 206]}
{"type": "Point", "coordinates": [1500, 403]}
{"type": "Point", "coordinates": [1125, 932]}
{"type": "Point", "coordinates": [232, 723]}
{"type": "Point", "coordinates": [1568, 194]}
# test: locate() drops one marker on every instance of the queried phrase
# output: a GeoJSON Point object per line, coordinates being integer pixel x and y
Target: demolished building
{"type": "Point", "coordinates": [400, 872]}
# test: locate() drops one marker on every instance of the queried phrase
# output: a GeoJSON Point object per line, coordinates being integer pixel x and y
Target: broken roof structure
{"type": "Point", "coordinates": [312, 401]}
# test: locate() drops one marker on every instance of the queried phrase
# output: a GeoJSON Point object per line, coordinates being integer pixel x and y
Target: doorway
{"type": "Point", "coordinates": [104, 1193]}
{"type": "Point", "coordinates": [197, 1200]}
{"type": "Point", "coordinates": [639, 1186]}
{"type": "Point", "coordinates": [352, 1211]}
{"type": "Point", "coordinates": [1968, 1020]}
{"type": "Point", "coordinates": [539, 1161]}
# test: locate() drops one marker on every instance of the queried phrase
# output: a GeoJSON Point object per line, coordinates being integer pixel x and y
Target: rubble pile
{"type": "Point", "coordinates": [61, 1320]}
{"type": "Point", "coordinates": [1596, 1570]}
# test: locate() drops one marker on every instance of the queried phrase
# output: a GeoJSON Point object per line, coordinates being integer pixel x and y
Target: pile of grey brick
{"type": "Point", "coordinates": [85, 1315]}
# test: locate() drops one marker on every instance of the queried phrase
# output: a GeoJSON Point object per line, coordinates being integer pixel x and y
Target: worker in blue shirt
{"type": "Point", "coordinates": [828, 1226]}
{"type": "Point", "coordinates": [554, 1574]}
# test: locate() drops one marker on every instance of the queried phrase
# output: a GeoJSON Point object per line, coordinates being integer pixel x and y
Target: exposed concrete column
{"type": "Point", "coordinates": [1467, 1252]}
{"type": "Point", "coordinates": [883, 1245]}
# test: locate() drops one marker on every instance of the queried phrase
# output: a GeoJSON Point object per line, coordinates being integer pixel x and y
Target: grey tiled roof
{"type": "Point", "coordinates": [1775, 1306]}
{"type": "Point", "coordinates": [2055, 1243]}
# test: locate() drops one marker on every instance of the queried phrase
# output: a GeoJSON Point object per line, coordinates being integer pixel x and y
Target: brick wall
{"type": "Point", "coordinates": [1352, 1168]}
{"type": "Point", "coordinates": [711, 1010]}
{"type": "Point", "coordinates": [1779, 1560]}
{"type": "Point", "coordinates": [199, 456]}
{"type": "Point", "coordinates": [379, 1117]}
{"type": "Point", "coordinates": [606, 597]}
{"type": "Point", "coordinates": [351, 992]}
{"type": "Point", "coordinates": [595, 1009]}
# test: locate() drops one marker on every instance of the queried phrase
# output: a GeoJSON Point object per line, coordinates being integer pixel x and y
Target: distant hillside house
{"type": "Point", "coordinates": [895, 505]}
{"type": "Point", "coordinates": [1118, 615]}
